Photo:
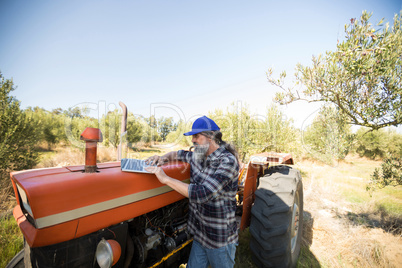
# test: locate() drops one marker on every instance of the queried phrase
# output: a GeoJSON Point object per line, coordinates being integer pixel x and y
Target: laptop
{"type": "Point", "coordinates": [134, 165]}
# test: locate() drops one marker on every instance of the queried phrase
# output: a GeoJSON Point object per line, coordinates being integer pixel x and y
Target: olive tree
{"type": "Point", "coordinates": [238, 127]}
{"type": "Point", "coordinates": [329, 137]}
{"type": "Point", "coordinates": [252, 133]}
{"type": "Point", "coordinates": [165, 125]}
{"type": "Point", "coordinates": [361, 78]}
{"type": "Point", "coordinates": [17, 139]}
{"type": "Point", "coordinates": [111, 127]}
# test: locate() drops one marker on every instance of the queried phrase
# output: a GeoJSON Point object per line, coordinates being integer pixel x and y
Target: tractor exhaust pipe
{"type": "Point", "coordinates": [123, 130]}
{"type": "Point", "coordinates": [91, 136]}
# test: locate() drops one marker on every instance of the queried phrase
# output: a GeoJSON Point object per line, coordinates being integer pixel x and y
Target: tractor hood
{"type": "Point", "coordinates": [58, 204]}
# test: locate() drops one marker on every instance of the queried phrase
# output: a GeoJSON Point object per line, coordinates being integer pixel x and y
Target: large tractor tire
{"type": "Point", "coordinates": [277, 218]}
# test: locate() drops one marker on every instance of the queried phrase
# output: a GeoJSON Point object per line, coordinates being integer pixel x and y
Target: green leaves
{"type": "Point", "coordinates": [362, 78]}
{"type": "Point", "coordinates": [329, 137]}
{"type": "Point", "coordinates": [17, 139]}
{"type": "Point", "coordinates": [252, 133]}
{"type": "Point", "coordinates": [390, 173]}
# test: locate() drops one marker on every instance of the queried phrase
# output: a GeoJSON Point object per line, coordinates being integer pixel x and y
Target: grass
{"type": "Point", "coordinates": [307, 259]}
{"type": "Point", "coordinates": [350, 227]}
{"type": "Point", "coordinates": [380, 208]}
{"type": "Point", "coordinates": [243, 253]}
{"type": "Point", "coordinates": [11, 240]}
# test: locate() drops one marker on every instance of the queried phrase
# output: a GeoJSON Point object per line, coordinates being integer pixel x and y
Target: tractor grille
{"type": "Point", "coordinates": [78, 252]}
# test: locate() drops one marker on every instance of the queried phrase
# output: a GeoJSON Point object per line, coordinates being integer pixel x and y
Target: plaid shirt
{"type": "Point", "coordinates": [212, 195]}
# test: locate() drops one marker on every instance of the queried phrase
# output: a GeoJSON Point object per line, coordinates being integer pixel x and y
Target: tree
{"type": "Point", "coordinates": [111, 131]}
{"type": "Point", "coordinates": [134, 129]}
{"type": "Point", "coordinates": [238, 127]}
{"type": "Point", "coordinates": [59, 126]}
{"type": "Point", "coordinates": [277, 133]}
{"type": "Point", "coordinates": [48, 126]}
{"type": "Point", "coordinates": [329, 137]}
{"type": "Point", "coordinates": [17, 139]}
{"type": "Point", "coordinates": [251, 133]}
{"type": "Point", "coordinates": [74, 112]}
{"type": "Point", "coordinates": [371, 144]}
{"type": "Point", "coordinates": [165, 126]}
{"type": "Point", "coordinates": [57, 111]}
{"type": "Point", "coordinates": [362, 78]}
{"type": "Point", "coordinates": [176, 136]}
{"type": "Point", "coordinates": [390, 173]}
{"type": "Point", "coordinates": [151, 130]}
{"type": "Point", "coordinates": [385, 144]}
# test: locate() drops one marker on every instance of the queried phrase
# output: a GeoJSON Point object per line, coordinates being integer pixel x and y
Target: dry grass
{"type": "Point", "coordinates": [7, 199]}
{"type": "Point", "coordinates": [344, 226]}
{"type": "Point", "coordinates": [66, 156]}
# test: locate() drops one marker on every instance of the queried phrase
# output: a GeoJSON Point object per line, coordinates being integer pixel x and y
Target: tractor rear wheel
{"type": "Point", "coordinates": [277, 218]}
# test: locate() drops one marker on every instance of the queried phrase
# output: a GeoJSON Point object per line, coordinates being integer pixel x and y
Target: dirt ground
{"type": "Point", "coordinates": [335, 233]}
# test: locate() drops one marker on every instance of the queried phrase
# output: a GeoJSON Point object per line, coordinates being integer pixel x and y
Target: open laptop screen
{"type": "Point", "coordinates": [134, 165]}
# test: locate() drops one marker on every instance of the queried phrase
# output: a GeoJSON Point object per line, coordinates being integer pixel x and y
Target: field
{"type": "Point", "coordinates": [344, 226]}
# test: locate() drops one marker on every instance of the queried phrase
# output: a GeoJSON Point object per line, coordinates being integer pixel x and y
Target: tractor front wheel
{"type": "Point", "coordinates": [277, 218]}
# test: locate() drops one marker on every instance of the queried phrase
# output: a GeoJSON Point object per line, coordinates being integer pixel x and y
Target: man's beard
{"type": "Point", "coordinates": [200, 152]}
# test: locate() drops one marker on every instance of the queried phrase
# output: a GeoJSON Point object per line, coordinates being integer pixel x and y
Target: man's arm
{"type": "Point", "coordinates": [160, 160]}
{"type": "Point", "coordinates": [179, 186]}
{"type": "Point", "coordinates": [170, 156]}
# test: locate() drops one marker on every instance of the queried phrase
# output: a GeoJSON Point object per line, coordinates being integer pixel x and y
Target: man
{"type": "Point", "coordinates": [211, 192]}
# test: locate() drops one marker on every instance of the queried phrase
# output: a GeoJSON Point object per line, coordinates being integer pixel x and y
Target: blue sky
{"type": "Point", "coordinates": [190, 57]}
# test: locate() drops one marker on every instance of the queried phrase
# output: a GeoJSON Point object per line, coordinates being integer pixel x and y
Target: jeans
{"type": "Point", "coordinates": [201, 257]}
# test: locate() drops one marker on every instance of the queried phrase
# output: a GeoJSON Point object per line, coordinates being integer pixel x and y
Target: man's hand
{"type": "Point", "coordinates": [155, 160]}
{"type": "Point", "coordinates": [177, 185]}
{"type": "Point", "coordinates": [158, 171]}
{"type": "Point", "coordinates": [160, 160]}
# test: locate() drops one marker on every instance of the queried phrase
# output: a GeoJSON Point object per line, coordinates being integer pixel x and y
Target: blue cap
{"type": "Point", "coordinates": [202, 124]}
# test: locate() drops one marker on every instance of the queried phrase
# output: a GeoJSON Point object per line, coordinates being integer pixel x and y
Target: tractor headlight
{"type": "Point", "coordinates": [107, 253]}
{"type": "Point", "coordinates": [24, 199]}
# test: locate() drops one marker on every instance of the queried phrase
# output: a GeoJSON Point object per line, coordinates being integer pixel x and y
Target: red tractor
{"type": "Point", "coordinates": [96, 215]}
